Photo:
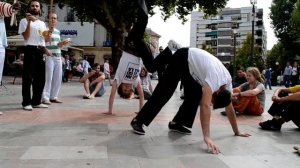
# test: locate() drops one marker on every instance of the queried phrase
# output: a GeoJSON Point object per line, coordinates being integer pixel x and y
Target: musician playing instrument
{"type": "Point", "coordinates": [34, 64]}
{"type": "Point", "coordinates": [6, 10]}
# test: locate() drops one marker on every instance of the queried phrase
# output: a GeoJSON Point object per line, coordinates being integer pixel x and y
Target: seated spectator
{"type": "Point", "coordinates": [146, 83]}
{"type": "Point", "coordinates": [249, 98]}
{"type": "Point", "coordinates": [285, 108]}
{"type": "Point", "coordinates": [240, 77]}
{"type": "Point", "coordinates": [93, 83]}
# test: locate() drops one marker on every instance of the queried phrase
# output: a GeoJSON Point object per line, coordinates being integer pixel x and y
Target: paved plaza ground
{"type": "Point", "coordinates": [76, 134]}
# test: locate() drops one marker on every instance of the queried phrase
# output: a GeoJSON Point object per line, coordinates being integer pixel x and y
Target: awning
{"type": "Point", "coordinates": [19, 41]}
{"type": "Point", "coordinates": [15, 40]}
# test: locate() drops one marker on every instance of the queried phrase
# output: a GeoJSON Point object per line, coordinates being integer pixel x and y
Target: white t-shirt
{"type": "Point", "coordinates": [106, 68]}
{"type": "Point", "coordinates": [205, 67]}
{"type": "Point", "coordinates": [85, 66]}
{"type": "Point", "coordinates": [35, 27]}
{"type": "Point", "coordinates": [128, 69]}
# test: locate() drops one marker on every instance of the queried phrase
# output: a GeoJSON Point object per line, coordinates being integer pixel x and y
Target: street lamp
{"type": "Point", "coordinates": [253, 2]}
{"type": "Point", "coordinates": [235, 31]}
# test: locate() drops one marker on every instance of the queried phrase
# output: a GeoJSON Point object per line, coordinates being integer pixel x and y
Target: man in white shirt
{"type": "Point", "coordinates": [126, 78]}
{"type": "Point", "coordinates": [32, 29]}
{"type": "Point", "coordinates": [106, 68]}
{"type": "Point", "coordinates": [6, 10]}
{"type": "Point", "coordinates": [206, 82]}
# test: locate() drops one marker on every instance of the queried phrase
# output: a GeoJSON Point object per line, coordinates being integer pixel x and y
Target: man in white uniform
{"type": "Point", "coordinates": [206, 81]}
{"type": "Point", "coordinates": [53, 65]}
{"type": "Point", "coordinates": [34, 65]}
{"type": "Point", "coordinates": [6, 10]}
{"type": "Point", "coordinates": [107, 71]}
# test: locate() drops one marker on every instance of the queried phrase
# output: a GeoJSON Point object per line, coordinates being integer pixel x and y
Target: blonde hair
{"type": "Point", "coordinates": [255, 72]}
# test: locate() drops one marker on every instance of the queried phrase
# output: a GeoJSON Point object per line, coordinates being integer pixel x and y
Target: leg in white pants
{"type": "Point", "coordinates": [53, 78]}
{"type": "Point", "coordinates": [2, 58]}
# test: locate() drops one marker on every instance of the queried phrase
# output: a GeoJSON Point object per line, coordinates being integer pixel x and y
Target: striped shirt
{"type": "Point", "coordinates": [5, 9]}
{"type": "Point", "coordinates": [53, 47]}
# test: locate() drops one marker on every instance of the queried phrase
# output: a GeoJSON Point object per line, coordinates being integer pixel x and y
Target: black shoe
{"type": "Point", "coordinates": [225, 114]}
{"type": "Point", "coordinates": [272, 125]}
{"type": "Point", "coordinates": [130, 47]}
{"type": "Point", "coordinates": [182, 97]}
{"type": "Point", "coordinates": [178, 128]}
{"type": "Point", "coordinates": [137, 128]}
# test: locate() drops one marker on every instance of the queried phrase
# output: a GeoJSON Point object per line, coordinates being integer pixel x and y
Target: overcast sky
{"type": "Point", "coordinates": [173, 29]}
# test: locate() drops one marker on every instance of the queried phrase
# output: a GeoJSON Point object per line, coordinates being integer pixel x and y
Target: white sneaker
{"type": "Point", "coordinates": [40, 106]}
{"type": "Point", "coordinates": [27, 108]}
{"type": "Point", "coordinates": [1, 113]}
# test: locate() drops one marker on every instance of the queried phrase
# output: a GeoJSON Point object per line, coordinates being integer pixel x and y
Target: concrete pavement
{"type": "Point", "coordinates": [77, 134]}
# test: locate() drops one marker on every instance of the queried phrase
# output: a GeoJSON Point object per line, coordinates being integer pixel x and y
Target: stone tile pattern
{"type": "Point", "coordinates": [76, 134]}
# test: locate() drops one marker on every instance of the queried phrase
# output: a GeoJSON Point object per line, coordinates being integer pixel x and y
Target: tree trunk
{"type": "Point", "coordinates": [117, 45]}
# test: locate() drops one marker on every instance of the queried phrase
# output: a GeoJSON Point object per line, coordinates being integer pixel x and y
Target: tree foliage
{"type": "Point", "coordinates": [296, 20]}
{"type": "Point", "coordinates": [281, 12]}
{"type": "Point", "coordinates": [118, 16]}
{"type": "Point", "coordinates": [275, 60]}
{"type": "Point", "coordinates": [243, 54]}
{"type": "Point", "coordinates": [207, 48]}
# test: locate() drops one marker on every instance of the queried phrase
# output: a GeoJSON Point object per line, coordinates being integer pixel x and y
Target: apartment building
{"type": "Point", "coordinates": [217, 32]}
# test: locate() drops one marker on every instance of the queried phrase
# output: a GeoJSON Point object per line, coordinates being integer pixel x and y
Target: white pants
{"type": "Point", "coordinates": [53, 78]}
{"type": "Point", "coordinates": [2, 58]}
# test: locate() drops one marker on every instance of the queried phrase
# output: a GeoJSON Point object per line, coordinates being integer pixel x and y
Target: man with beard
{"type": "Point", "coordinates": [32, 29]}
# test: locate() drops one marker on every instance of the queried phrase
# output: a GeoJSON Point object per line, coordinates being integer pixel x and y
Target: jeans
{"type": "Point", "coordinates": [287, 110]}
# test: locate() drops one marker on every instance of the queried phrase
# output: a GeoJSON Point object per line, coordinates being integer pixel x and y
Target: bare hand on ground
{"type": "Point", "coordinates": [211, 147]}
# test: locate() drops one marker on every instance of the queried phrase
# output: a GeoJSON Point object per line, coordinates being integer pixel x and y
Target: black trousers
{"type": "Point", "coordinates": [176, 70]}
{"type": "Point", "coordinates": [141, 49]}
{"type": "Point", "coordinates": [287, 110]}
{"type": "Point", "coordinates": [33, 75]}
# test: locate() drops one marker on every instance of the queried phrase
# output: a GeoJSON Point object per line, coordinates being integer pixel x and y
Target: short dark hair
{"type": "Point", "coordinates": [122, 94]}
{"type": "Point", "coordinates": [238, 68]}
{"type": "Point", "coordinates": [95, 65]}
{"type": "Point", "coordinates": [41, 6]}
{"type": "Point", "coordinates": [222, 99]}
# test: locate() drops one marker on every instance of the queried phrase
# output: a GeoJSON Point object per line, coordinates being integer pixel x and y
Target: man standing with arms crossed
{"type": "Point", "coordinates": [34, 66]}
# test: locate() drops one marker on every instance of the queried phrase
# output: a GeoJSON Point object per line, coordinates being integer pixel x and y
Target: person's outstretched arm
{"type": "Point", "coordinates": [205, 113]}
{"type": "Point", "coordinates": [141, 95]}
{"type": "Point", "coordinates": [112, 97]}
{"type": "Point", "coordinates": [230, 112]}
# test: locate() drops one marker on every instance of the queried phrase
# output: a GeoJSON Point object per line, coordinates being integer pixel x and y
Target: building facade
{"type": "Point", "coordinates": [218, 32]}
